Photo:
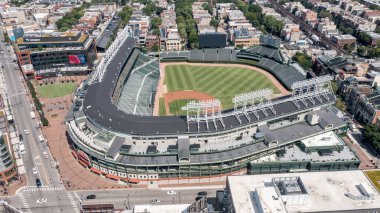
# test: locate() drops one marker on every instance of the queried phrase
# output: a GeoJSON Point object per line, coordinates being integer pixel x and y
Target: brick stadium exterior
{"type": "Point", "coordinates": [146, 149]}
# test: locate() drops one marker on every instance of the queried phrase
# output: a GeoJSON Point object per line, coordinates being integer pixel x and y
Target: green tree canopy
{"type": "Point", "coordinates": [303, 59]}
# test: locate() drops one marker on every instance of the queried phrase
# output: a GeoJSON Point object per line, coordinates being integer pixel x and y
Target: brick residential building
{"type": "Point", "coordinates": [151, 41]}
{"type": "Point", "coordinates": [343, 40]}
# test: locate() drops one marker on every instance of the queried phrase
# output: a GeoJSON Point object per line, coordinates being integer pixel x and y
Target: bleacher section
{"type": "Point", "coordinates": [200, 55]}
{"type": "Point", "coordinates": [137, 95]}
{"type": "Point", "coordinates": [266, 52]}
{"type": "Point", "coordinates": [264, 56]}
{"type": "Point", "coordinates": [271, 59]}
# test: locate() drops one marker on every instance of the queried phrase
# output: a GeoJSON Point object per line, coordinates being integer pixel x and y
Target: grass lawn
{"type": "Point", "coordinates": [175, 106]}
{"type": "Point", "coordinates": [162, 109]}
{"type": "Point", "coordinates": [221, 82]}
{"type": "Point", "coordinates": [56, 89]}
{"type": "Point", "coordinates": [375, 178]}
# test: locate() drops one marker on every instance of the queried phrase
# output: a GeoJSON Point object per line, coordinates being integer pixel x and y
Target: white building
{"type": "Point", "coordinates": [301, 192]}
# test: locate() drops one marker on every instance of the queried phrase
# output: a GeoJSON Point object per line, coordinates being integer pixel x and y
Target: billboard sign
{"type": "Point", "coordinates": [77, 59]}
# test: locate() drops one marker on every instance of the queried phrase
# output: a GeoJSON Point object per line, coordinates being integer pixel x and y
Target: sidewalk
{"type": "Point", "coordinates": [73, 175]}
{"type": "Point", "coordinates": [14, 186]}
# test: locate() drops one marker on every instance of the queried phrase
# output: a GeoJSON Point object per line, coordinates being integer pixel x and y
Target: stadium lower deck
{"type": "Point", "coordinates": [111, 139]}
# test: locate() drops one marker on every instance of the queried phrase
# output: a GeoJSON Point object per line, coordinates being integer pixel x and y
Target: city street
{"type": "Point", "coordinates": [123, 199]}
{"type": "Point", "coordinates": [20, 101]}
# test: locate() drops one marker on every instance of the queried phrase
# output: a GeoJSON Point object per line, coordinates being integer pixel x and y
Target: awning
{"type": "Point", "coordinates": [74, 154]}
{"type": "Point", "coordinates": [131, 180]}
{"type": "Point", "coordinates": [83, 163]}
{"type": "Point", "coordinates": [113, 177]}
{"type": "Point", "coordinates": [95, 170]}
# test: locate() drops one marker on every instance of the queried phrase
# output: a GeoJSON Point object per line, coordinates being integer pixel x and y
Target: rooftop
{"type": "Point", "coordinates": [325, 191]}
{"type": "Point", "coordinates": [325, 139]}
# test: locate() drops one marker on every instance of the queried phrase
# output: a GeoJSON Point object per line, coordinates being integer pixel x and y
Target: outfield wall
{"type": "Point", "coordinates": [229, 57]}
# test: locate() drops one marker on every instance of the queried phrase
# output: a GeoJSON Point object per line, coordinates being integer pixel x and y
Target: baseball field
{"type": "Point", "coordinates": [213, 81]}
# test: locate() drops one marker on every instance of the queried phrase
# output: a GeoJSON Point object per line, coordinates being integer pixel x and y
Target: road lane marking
{"type": "Point", "coordinates": [72, 201]}
{"type": "Point", "coordinates": [24, 203]}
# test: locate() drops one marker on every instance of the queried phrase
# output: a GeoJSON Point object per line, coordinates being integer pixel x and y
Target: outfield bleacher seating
{"type": "Point", "coordinates": [138, 92]}
{"type": "Point", "coordinates": [271, 59]}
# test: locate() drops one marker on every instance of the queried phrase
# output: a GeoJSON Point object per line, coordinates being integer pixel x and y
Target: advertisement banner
{"type": "Point", "coordinates": [77, 59]}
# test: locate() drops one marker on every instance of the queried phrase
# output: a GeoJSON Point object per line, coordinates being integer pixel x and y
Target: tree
{"type": "Point", "coordinates": [341, 105]}
{"type": "Point", "coordinates": [303, 59]}
{"type": "Point", "coordinates": [372, 137]}
{"type": "Point", "coordinates": [156, 32]}
{"type": "Point", "coordinates": [349, 47]}
{"type": "Point", "coordinates": [155, 48]}
{"type": "Point", "coordinates": [324, 14]}
{"type": "Point", "coordinates": [155, 22]}
{"type": "Point", "coordinates": [193, 37]}
{"type": "Point", "coordinates": [254, 8]}
{"type": "Point", "coordinates": [214, 23]}
{"type": "Point", "coordinates": [273, 25]}
{"type": "Point", "coordinates": [207, 6]}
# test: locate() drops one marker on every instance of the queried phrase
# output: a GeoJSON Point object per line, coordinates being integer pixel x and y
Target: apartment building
{"type": "Point", "coordinates": [356, 22]}
{"type": "Point", "coordinates": [245, 38]}
{"type": "Point", "coordinates": [291, 32]}
{"type": "Point", "coordinates": [173, 40]}
{"type": "Point", "coordinates": [375, 38]}
{"type": "Point", "coordinates": [308, 15]}
{"type": "Point", "coordinates": [343, 40]}
{"type": "Point", "coordinates": [326, 26]}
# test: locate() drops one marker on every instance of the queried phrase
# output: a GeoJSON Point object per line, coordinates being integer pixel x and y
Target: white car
{"type": "Point", "coordinates": [26, 132]}
{"type": "Point", "coordinates": [35, 170]}
{"type": "Point", "coordinates": [42, 200]}
{"type": "Point", "coordinates": [155, 200]}
{"type": "Point", "coordinates": [46, 156]}
{"type": "Point", "coordinates": [171, 193]}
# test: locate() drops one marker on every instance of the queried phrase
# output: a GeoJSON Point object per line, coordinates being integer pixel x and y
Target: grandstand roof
{"type": "Point", "coordinates": [101, 111]}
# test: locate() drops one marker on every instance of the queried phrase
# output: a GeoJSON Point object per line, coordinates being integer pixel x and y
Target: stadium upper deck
{"type": "Point", "coordinates": [100, 109]}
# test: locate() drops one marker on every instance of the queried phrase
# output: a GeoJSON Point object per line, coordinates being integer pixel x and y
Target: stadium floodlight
{"type": "Point", "coordinates": [252, 102]}
{"type": "Point", "coordinates": [310, 89]}
{"type": "Point", "coordinates": [204, 111]}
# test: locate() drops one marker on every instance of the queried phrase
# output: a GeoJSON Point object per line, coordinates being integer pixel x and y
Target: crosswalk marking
{"type": "Point", "coordinates": [25, 204]}
{"type": "Point", "coordinates": [34, 189]}
{"type": "Point", "coordinates": [72, 201]}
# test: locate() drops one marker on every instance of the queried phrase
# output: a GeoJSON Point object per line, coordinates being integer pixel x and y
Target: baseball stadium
{"type": "Point", "coordinates": [200, 115]}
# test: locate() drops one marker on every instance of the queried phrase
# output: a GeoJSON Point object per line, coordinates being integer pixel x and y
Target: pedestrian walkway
{"type": "Point", "coordinates": [34, 189]}
{"type": "Point", "coordinates": [26, 208]}
{"type": "Point", "coordinates": [72, 201]}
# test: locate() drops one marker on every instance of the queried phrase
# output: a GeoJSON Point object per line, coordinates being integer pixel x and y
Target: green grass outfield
{"type": "Point", "coordinates": [56, 89]}
{"type": "Point", "coordinates": [162, 109]}
{"type": "Point", "coordinates": [218, 81]}
{"type": "Point", "coordinates": [175, 106]}
{"type": "Point", "coordinates": [375, 177]}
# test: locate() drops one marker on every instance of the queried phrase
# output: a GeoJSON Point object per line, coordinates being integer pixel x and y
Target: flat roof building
{"type": "Point", "coordinates": [56, 52]}
{"type": "Point", "coordinates": [301, 192]}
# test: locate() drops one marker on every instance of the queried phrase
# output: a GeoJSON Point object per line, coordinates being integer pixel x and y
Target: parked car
{"type": "Point", "coordinates": [20, 137]}
{"type": "Point", "coordinates": [171, 193]}
{"type": "Point", "coordinates": [35, 170]}
{"type": "Point", "coordinates": [155, 200]}
{"type": "Point", "coordinates": [43, 200]}
{"type": "Point", "coordinates": [198, 198]}
{"type": "Point", "coordinates": [90, 197]}
{"type": "Point", "coordinates": [38, 182]}
{"type": "Point", "coordinates": [203, 193]}
{"type": "Point", "coordinates": [46, 156]}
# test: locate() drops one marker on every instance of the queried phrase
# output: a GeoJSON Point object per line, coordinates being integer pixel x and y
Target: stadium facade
{"type": "Point", "coordinates": [112, 131]}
